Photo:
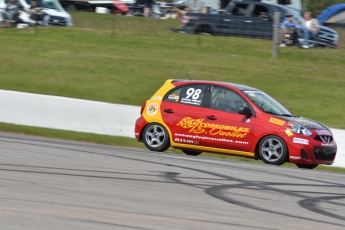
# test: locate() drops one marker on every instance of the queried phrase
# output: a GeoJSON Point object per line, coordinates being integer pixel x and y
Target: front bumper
{"type": "Point", "coordinates": [313, 153]}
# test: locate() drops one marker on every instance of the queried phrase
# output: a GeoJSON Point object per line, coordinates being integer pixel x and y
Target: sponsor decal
{"type": "Point", "coordinates": [157, 98]}
{"type": "Point", "coordinates": [252, 93]}
{"type": "Point", "coordinates": [198, 126]}
{"type": "Point", "coordinates": [300, 141]}
{"type": "Point", "coordinates": [323, 132]}
{"type": "Point", "coordinates": [152, 109]}
{"type": "Point", "coordinates": [195, 139]}
{"type": "Point", "coordinates": [304, 122]}
{"type": "Point", "coordinates": [328, 144]}
{"type": "Point", "coordinates": [295, 158]}
{"type": "Point", "coordinates": [288, 132]}
{"type": "Point", "coordinates": [173, 97]}
{"type": "Point", "coordinates": [277, 121]}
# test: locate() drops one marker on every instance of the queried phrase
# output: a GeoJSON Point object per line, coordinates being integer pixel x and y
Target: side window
{"type": "Point", "coordinates": [174, 96]}
{"type": "Point", "coordinates": [191, 94]}
{"type": "Point", "coordinates": [226, 100]}
{"type": "Point", "coordinates": [258, 9]}
{"type": "Point", "coordinates": [239, 9]}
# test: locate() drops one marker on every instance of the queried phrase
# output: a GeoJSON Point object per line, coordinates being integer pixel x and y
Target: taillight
{"type": "Point", "coordinates": [185, 20]}
{"type": "Point", "coordinates": [142, 107]}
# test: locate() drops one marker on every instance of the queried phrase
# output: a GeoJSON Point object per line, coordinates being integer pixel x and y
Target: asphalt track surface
{"type": "Point", "coordinates": [54, 184]}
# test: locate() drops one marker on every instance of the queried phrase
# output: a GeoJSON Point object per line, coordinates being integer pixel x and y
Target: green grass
{"type": "Point", "coordinates": [86, 61]}
{"type": "Point", "coordinates": [126, 59]}
{"type": "Point", "coordinates": [124, 142]}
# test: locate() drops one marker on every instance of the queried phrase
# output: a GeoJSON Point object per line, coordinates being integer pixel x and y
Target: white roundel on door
{"type": "Point", "coordinates": [152, 109]}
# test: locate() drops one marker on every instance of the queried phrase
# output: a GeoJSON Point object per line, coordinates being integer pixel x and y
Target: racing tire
{"type": "Point", "coordinates": [191, 153]}
{"type": "Point", "coordinates": [156, 137]}
{"type": "Point", "coordinates": [302, 166]}
{"type": "Point", "coordinates": [273, 150]}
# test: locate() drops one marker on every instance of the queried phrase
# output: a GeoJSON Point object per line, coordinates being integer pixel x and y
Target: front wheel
{"type": "Point", "coordinates": [156, 137]}
{"type": "Point", "coordinates": [191, 153]}
{"type": "Point", "coordinates": [273, 150]}
{"type": "Point", "coordinates": [302, 166]}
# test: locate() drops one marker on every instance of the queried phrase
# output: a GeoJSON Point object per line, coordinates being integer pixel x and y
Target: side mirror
{"type": "Point", "coordinates": [245, 111]}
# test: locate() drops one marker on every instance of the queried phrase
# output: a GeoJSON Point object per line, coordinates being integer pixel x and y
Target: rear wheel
{"type": "Point", "coordinates": [302, 166]}
{"type": "Point", "coordinates": [204, 30]}
{"type": "Point", "coordinates": [156, 137]}
{"type": "Point", "coordinates": [191, 153]}
{"type": "Point", "coordinates": [273, 150]}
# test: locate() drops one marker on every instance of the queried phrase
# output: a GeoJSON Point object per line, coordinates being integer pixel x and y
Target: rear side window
{"type": "Point", "coordinates": [258, 10]}
{"type": "Point", "coordinates": [174, 96]}
{"type": "Point", "coordinates": [239, 9]}
{"type": "Point", "coordinates": [191, 95]}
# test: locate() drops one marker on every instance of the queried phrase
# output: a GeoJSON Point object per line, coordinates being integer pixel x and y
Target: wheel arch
{"type": "Point", "coordinates": [160, 123]}
{"type": "Point", "coordinates": [202, 25]}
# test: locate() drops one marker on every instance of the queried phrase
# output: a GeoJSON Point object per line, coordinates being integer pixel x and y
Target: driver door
{"type": "Point", "coordinates": [226, 128]}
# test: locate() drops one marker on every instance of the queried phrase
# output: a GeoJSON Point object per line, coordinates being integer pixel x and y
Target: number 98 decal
{"type": "Point", "coordinates": [193, 95]}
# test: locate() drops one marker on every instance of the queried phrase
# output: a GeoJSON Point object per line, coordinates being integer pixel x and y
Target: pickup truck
{"type": "Point", "coordinates": [246, 18]}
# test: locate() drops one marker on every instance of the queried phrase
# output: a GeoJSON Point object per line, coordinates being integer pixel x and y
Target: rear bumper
{"type": "Point", "coordinates": [139, 126]}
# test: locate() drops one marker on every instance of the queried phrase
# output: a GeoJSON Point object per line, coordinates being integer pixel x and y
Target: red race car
{"type": "Point", "coordinates": [233, 119]}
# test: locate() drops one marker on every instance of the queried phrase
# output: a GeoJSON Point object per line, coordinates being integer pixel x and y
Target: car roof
{"type": "Point", "coordinates": [234, 85]}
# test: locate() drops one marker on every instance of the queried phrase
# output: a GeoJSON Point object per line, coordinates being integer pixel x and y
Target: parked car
{"type": "Point", "coordinates": [228, 118]}
{"type": "Point", "coordinates": [56, 15]}
{"type": "Point", "coordinates": [249, 19]}
{"type": "Point", "coordinates": [90, 5]}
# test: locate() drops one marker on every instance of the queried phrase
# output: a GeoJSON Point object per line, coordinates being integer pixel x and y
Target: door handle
{"type": "Point", "coordinates": [168, 111]}
{"type": "Point", "coordinates": [227, 20]}
{"type": "Point", "coordinates": [248, 21]}
{"type": "Point", "coordinates": [211, 117]}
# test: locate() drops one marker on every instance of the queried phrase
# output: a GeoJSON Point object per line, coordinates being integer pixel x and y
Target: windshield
{"type": "Point", "coordinates": [266, 103]}
{"type": "Point", "coordinates": [50, 4]}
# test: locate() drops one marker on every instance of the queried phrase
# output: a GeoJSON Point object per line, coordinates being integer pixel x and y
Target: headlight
{"type": "Point", "coordinates": [300, 129]}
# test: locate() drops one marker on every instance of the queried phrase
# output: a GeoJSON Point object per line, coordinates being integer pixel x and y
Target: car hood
{"type": "Point", "coordinates": [308, 123]}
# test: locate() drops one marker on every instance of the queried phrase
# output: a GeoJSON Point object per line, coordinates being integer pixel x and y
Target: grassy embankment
{"type": "Point", "coordinates": [127, 64]}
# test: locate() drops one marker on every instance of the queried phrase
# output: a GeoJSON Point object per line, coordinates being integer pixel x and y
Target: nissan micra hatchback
{"type": "Point", "coordinates": [233, 119]}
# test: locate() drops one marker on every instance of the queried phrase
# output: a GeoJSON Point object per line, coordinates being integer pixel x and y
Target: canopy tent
{"type": "Point", "coordinates": [333, 16]}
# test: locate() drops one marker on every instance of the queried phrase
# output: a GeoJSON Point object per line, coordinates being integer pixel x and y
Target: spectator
{"type": "Point", "coordinates": [11, 12]}
{"type": "Point", "coordinates": [147, 5]}
{"type": "Point", "coordinates": [36, 12]}
{"type": "Point", "coordinates": [181, 9]}
{"type": "Point", "coordinates": [310, 27]}
{"type": "Point", "coordinates": [288, 26]}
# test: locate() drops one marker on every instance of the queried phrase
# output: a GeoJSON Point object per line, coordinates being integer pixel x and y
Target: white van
{"type": "Point", "coordinates": [56, 15]}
